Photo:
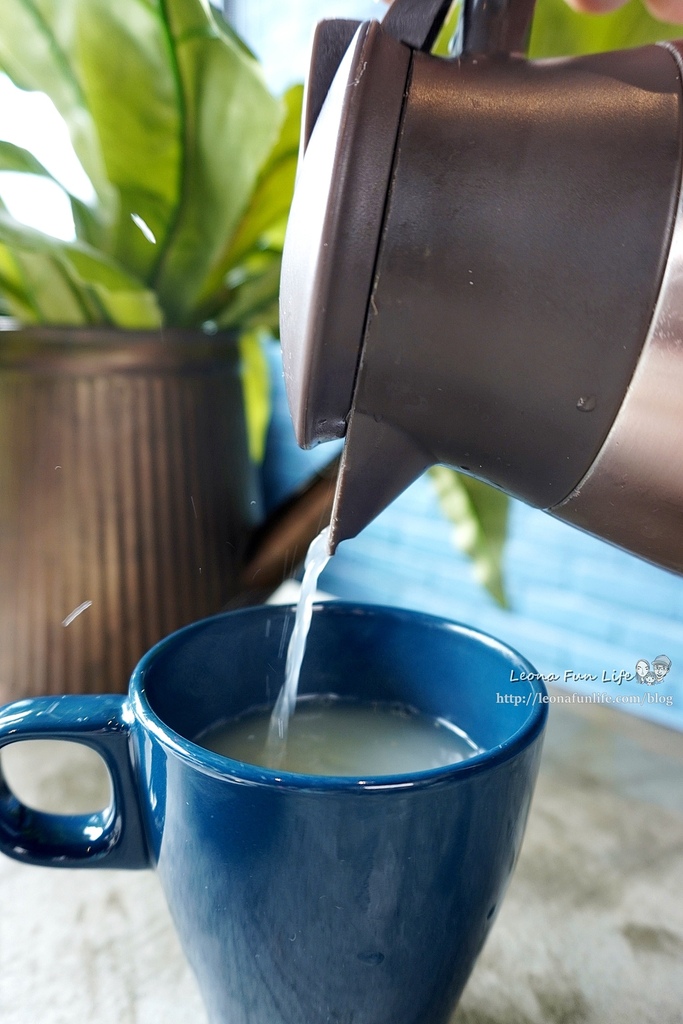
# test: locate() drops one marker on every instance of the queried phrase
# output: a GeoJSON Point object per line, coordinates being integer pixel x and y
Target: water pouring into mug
{"type": "Point", "coordinates": [317, 558]}
{"type": "Point", "coordinates": [327, 735]}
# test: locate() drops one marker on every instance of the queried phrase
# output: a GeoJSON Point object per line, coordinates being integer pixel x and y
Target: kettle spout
{"type": "Point", "coordinates": [379, 461]}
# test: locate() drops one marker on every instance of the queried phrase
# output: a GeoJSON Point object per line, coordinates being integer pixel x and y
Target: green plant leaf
{"type": "Point", "coordinates": [124, 300]}
{"type": "Point", "coordinates": [230, 123]}
{"type": "Point", "coordinates": [36, 289]}
{"type": "Point", "coordinates": [480, 515]}
{"type": "Point", "coordinates": [128, 74]}
{"type": "Point", "coordinates": [266, 214]}
{"type": "Point", "coordinates": [48, 295]}
{"type": "Point", "coordinates": [86, 220]}
{"type": "Point", "coordinates": [227, 30]}
{"type": "Point", "coordinates": [52, 291]}
{"type": "Point", "coordinates": [253, 300]}
{"type": "Point", "coordinates": [70, 283]}
{"type": "Point", "coordinates": [171, 118]}
{"type": "Point", "coordinates": [16, 300]}
{"type": "Point", "coordinates": [14, 297]}
{"type": "Point", "coordinates": [36, 51]}
{"type": "Point", "coordinates": [256, 390]}
{"type": "Point", "coordinates": [559, 31]}
{"type": "Point", "coordinates": [14, 158]}
{"type": "Point", "coordinates": [443, 42]}
{"type": "Point", "coordinates": [269, 205]}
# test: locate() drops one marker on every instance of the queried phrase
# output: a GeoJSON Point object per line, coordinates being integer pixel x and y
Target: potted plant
{"type": "Point", "coordinates": [132, 393]}
{"type": "Point", "coordinates": [126, 487]}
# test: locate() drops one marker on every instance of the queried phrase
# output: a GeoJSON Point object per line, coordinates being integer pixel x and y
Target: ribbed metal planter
{"type": "Point", "coordinates": [126, 498]}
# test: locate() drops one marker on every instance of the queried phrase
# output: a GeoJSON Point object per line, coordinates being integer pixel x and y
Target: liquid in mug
{"type": "Point", "coordinates": [329, 736]}
{"type": "Point", "coordinates": [335, 736]}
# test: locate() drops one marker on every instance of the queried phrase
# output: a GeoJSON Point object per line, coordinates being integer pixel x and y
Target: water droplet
{"type": "Point", "coordinates": [144, 227]}
{"type": "Point", "coordinates": [76, 612]}
{"type": "Point", "coordinates": [586, 403]}
{"type": "Point", "coordinates": [372, 959]}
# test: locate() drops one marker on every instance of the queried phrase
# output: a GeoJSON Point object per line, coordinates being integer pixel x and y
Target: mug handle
{"type": "Point", "coordinates": [111, 838]}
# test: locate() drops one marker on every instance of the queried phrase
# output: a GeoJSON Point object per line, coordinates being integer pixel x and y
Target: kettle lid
{"type": "Point", "coordinates": [355, 95]}
{"type": "Point", "coordinates": [335, 223]}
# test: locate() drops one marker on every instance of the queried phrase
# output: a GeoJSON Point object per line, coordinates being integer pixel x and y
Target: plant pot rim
{"type": "Point", "coordinates": [97, 349]}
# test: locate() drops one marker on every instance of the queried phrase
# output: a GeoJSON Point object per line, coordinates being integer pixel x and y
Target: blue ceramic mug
{"type": "Point", "coordinates": [302, 899]}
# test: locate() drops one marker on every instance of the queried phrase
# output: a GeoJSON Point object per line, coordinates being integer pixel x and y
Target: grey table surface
{"type": "Point", "coordinates": [591, 931]}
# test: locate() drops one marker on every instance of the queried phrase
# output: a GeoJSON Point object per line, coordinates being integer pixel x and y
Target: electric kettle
{"type": "Point", "coordinates": [484, 268]}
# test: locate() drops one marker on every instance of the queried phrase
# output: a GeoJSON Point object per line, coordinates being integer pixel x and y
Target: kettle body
{"type": "Point", "coordinates": [484, 268]}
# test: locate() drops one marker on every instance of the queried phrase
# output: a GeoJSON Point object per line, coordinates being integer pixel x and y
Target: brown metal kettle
{"type": "Point", "coordinates": [484, 268]}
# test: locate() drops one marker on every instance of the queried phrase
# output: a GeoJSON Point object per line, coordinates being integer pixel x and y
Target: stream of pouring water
{"type": "Point", "coordinates": [317, 558]}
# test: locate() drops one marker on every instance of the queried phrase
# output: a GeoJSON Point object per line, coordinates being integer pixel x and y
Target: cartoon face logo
{"type": "Point", "coordinates": [642, 668]}
{"type": "Point", "coordinates": [651, 675]}
{"type": "Point", "coordinates": [660, 666]}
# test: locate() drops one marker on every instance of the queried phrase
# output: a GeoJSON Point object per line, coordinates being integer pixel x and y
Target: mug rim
{"type": "Point", "coordinates": [224, 767]}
